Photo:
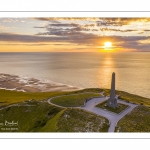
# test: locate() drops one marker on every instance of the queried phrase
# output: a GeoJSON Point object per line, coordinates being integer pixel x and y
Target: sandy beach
{"type": "Point", "coordinates": [26, 84]}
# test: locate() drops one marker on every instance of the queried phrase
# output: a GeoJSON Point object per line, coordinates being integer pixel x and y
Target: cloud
{"type": "Point", "coordinates": [146, 30]}
{"type": "Point", "coordinates": [117, 30]}
{"type": "Point", "coordinates": [4, 27]}
{"type": "Point", "coordinates": [80, 34]}
{"type": "Point", "coordinates": [90, 25]}
{"type": "Point", "coordinates": [64, 25]}
{"type": "Point", "coordinates": [81, 38]}
{"type": "Point", "coordinates": [60, 28]}
{"type": "Point", "coordinates": [66, 18]}
{"type": "Point", "coordinates": [13, 20]}
{"type": "Point", "coordinates": [59, 25]}
{"type": "Point", "coordinates": [53, 20]}
{"type": "Point", "coordinates": [64, 29]}
{"type": "Point", "coordinates": [98, 21]}
{"type": "Point", "coordinates": [120, 21]}
{"type": "Point", "coordinates": [83, 31]}
{"type": "Point", "coordinates": [39, 27]}
{"type": "Point", "coordinates": [107, 21]}
{"type": "Point", "coordinates": [27, 44]}
{"type": "Point", "coordinates": [27, 38]}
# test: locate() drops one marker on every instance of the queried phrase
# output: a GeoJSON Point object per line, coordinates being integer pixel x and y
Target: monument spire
{"type": "Point", "coordinates": [112, 101]}
{"type": "Point", "coordinates": [112, 93]}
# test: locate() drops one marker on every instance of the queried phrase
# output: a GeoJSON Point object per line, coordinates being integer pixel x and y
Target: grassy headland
{"type": "Point", "coordinates": [73, 100]}
{"type": "Point", "coordinates": [9, 97]}
{"type": "Point", "coordinates": [129, 97]}
{"type": "Point", "coordinates": [134, 98]}
{"type": "Point", "coordinates": [38, 116]}
{"type": "Point", "coordinates": [76, 120]}
{"type": "Point", "coordinates": [136, 121]}
{"type": "Point", "coordinates": [31, 115]}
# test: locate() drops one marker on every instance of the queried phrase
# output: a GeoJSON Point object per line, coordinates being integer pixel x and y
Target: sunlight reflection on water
{"type": "Point", "coordinates": [83, 69]}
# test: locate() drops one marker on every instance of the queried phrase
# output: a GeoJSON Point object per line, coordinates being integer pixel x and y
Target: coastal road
{"type": "Point", "coordinates": [112, 117]}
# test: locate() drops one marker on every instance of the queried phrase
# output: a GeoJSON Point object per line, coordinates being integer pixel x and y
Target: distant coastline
{"type": "Point", "coordinates": [28, 84]}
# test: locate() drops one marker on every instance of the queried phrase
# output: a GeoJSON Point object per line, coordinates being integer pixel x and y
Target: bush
{"type": "Point", "coordinates": [7, 109]}
{"type": "Point", "coordinates": [105, 127]}
{"type": "Point", "coordinates": [40, 123]}
{"type": "Point", "coordinates": [53, 111]}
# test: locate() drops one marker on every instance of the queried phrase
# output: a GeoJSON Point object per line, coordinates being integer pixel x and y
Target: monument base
{"type": "Point", "coordinates": [112, 102]}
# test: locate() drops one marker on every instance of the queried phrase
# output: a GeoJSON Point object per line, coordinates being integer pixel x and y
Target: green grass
{"type": "Point", "coordinates": [120, 108]}
{"type": "Point", "coordinates": [51, 125]}
{"type": "Point", "coordinates": [134, 98]}
{"type": "Point", "coordinates": [138, 120]}
{"type": "Point", "coordinates": [106, 92]}
{"type": "Point", "coordinates": [38, 116]}
{"type": "Point", "coordinates": [73, 100]}
{"type": "Point", "coordinates": [8, 97]}
{"type": "Point", "coordinates": [77, 120]}
{"type": "Point", "coordinates": [130, 97]}
{"type": "Point", "coordinates": [31, 116]}
{"type": "Point", "coordinates": [94, 90]}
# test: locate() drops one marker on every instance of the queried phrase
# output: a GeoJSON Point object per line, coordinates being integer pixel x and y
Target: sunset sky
{"type": "Point", "coordinates": [74, 34]}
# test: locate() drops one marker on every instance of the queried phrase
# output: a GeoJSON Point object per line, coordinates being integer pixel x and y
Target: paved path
{"type": "Point", "coordinates": [49, 100]}
{"type": "Point", "coordinates": [8, 106]}
{"type": "Point", "coordinates": [112, 117]}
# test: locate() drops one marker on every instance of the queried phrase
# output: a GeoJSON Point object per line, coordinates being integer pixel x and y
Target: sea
{"type": "Point", "coordinates": [84, 69]}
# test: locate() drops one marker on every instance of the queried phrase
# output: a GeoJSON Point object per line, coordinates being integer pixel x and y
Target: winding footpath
{"type": "Point", "coordinates": [112, 117]}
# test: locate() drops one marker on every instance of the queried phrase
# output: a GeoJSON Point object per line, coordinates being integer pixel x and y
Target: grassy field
{"type": "Point", "coordinates": [34, 114]}
{"type": "Point", "coordinates": [130, 97]}
{"type": "Point", "coordinates": [76, 120]}
{"type": "Point", "coordinates": [8, 97]}
{"type": "Point", "coordinates": [73, 100]}
{"type": "Point", "coordinates": [136, 121]}
{"type": "Point", "coordinates": [38, 116]}
{"type": "Point", "coordinates": [31, 115]}
{"type": "Point", "coordinates": [115, 110]}
{"type": "Point", "coordinates": [134, 98]}
{"type": "Point", "coordinates": [94, 90]}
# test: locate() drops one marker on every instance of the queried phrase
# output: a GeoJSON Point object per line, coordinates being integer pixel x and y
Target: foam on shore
{"type": "Point", "coordinates": [28, 84]}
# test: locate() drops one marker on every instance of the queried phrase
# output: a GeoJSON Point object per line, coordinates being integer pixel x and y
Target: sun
{"type": "Point", "coordinates": [107, 45]}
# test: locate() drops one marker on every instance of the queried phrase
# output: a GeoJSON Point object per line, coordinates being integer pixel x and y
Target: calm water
{"type": "Point", "coordinates": [84, 69]}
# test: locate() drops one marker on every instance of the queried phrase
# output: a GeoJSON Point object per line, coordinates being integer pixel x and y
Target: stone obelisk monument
{"type": "Point", "coordinates": [112, 101]}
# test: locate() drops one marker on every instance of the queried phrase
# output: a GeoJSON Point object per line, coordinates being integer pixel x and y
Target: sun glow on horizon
{"type": "Point", "coordinates": [107, 45]}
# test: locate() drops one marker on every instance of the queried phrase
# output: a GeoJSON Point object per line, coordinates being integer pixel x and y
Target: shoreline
{"type": "Point", "coordinates": [23, 83]}
{"type": "Point", "coordinates": [29, 84]}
